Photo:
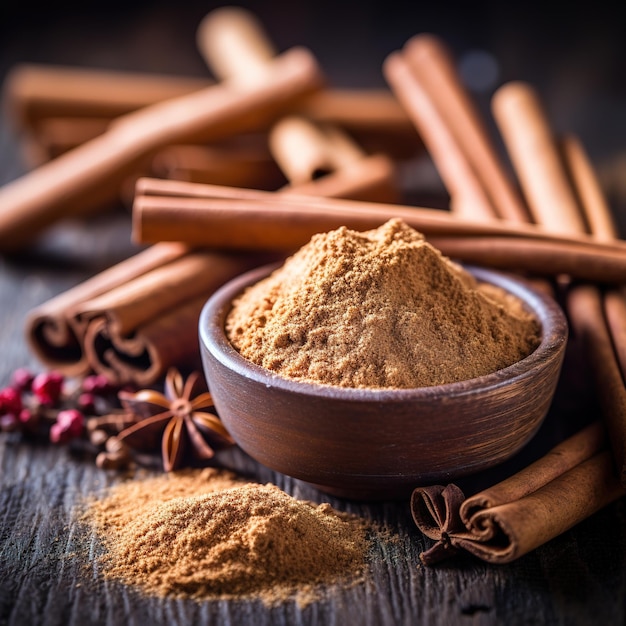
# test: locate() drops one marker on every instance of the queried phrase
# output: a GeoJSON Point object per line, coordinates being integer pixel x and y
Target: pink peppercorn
{"type": "Point", "coordinates": [47, 386]}
{"type": "Point", "coordinates": [10, 401]}
{"type": "Point", "coordinates": [72, 421]}
{"type": "Point", "coordinates": [96, 384]}
{"type": "Point", "coordinates": [22, 379]}
{"type": "Point", "coordinates": [86, 402]}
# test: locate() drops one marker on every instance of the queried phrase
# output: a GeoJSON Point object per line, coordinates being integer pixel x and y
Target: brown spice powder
{"type": "Point", "coordinates": [210, 535]}
{"type": "Point", "coordinates": [378, 309]}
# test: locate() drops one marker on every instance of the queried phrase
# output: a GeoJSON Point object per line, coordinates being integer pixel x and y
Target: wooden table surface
{"type": "Point", "coordinates": [47, 574]}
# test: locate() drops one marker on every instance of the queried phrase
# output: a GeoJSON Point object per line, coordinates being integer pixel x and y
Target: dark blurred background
{"type": "Point", "coordinates": [575, 54]}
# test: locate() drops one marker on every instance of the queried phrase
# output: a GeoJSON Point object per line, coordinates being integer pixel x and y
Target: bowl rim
{"type": "Point", "coordinates": [554, 333]}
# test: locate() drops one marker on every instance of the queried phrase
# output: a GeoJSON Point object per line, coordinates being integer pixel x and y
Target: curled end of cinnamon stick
{"type": "Point", "coordinates": [54, 343]}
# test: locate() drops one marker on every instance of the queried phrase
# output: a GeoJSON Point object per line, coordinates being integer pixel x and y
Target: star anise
{"type": "Point", "coordinates": [174, 420]}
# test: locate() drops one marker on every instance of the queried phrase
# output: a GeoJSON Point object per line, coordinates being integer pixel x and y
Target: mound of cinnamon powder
{"type": "Point", "coordinates": [378, 309]}
{"type": "Point", "coordinates": [213, 536]}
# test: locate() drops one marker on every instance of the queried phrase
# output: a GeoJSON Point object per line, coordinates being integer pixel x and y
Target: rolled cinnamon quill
{"type": "Point", "coordinates": [137, 330]}
{"type": "Point", "coordinates": [119, 322]}
{"type": "Point", "coordinates": [432, 64]}
{"type": "Point", "coordinates": [236, 48]}
{"type": "Point", "coordinates": [456, 172]}
{"type": "Point", "coordinates": [243, 219]}
{"type": "Point", "coordinates": [143, 356]}
{"type": "Point", "coordinates": [49, 332]}
{"type": "Point", "coordinates": [517, 515]}
{"type": "Point", "coordinates": [39, 198]}
{"type": "Point", "coordinates": [534, 151]}
{"type": "Point", "coordinates": [33, 92]}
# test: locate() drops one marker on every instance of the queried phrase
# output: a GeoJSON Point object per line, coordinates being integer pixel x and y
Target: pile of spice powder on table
{"type": "Point", "coordinates": [207, 535]}
{"type": "Point", "coordinates": [378, 309]}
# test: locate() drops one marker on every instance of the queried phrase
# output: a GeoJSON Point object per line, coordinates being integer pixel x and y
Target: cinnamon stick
{"type": "Point", "coordinates": [144, 356]}
{"type": "Point", "coordinates": [581, 261]}
{"type": "Point", "coordinates": [34, 93]}
{"type": "Point", "coordinates": [456, 173]}
{"type": "Point", "coordinates": [514, 517]}
{"type": "Point", "coordinates": [568, 197]}
{"type": "Point", "coordinates": [128, 331]}
{"type": "Point", "coordinates": [232, 164]}
{"type": "Point", "coordinates": [433, 66]}
{"type": "Point", "coordinates": [584, 305]}
{"type": "Point", "coordinates": [562, 458]}
{"type": "Point", "coordinates": [534, 152]}
{"type": "Point", "coordinates": [593, 204]}
{"type": "Point", "coordinates": [237, 48]}
{"type": "Point", "coordinates": [578, 476]}
{"type": "Point", "coordinates": [48, 330]}
{"type": "Point", "coordinates": [42, 196]}
{"type": "Point", "coordinates": [600, 317]}
{"type": "Point", "coordinates": [302, 150]}
{"type": "Point", "coordinates": [130, 304]}
{"type": "Point", "coordinates": [246, 219]}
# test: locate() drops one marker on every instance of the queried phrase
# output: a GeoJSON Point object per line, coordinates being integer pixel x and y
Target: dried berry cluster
{"type": "Point", "coordinates": [120, 425]}
{"type": "Point", "coordinates": [49, 404]}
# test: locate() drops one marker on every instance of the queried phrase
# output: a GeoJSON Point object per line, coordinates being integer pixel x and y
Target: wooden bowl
{"type": "Point", "coordinates": [373, 444]}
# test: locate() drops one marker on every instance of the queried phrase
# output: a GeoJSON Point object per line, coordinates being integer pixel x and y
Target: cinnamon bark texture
{"type": "Point", "coordinates": [66, 184]}
{"type": "Point", "coordinates": [514, 517]}
{"type": "Point", "coordinates": [424, 77]}
{"type": "Point", "coordinates": [533, 148]}
{"type": "Point", "coordinates": [237, 49]}
{"type": "Point", "coordinates": [49, 331]}
{"type": "Point", "coordinates": [55, 108]}
{"type": "Point", "coordinates": [559, 179]}
{"type": "Point", "coordinates": [134, 320]}
{"type": "Point", "coordinates": [243, 219]}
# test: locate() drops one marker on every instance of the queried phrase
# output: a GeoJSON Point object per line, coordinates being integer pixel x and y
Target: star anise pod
{"type": "Point", "coordinates": [174, 420]}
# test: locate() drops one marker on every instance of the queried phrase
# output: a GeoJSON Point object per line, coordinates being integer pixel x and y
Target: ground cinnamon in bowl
{"type": "Point", "coordinates": [210, 535]}
{"type": "Point", "coordinates": [378, 309]}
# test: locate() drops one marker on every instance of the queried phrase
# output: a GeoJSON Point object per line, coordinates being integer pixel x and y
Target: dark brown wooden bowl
{"type": "Point", "coordinates": [373, 444]}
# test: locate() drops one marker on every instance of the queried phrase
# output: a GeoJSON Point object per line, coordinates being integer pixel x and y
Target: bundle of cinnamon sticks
{"type": "Point", "coordinates": [135, 320]}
